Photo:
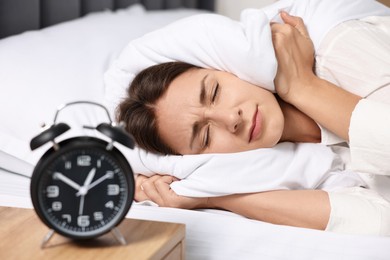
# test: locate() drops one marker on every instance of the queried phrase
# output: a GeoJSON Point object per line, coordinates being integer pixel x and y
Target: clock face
{"type": "Point", "coordinates": [82, 190]}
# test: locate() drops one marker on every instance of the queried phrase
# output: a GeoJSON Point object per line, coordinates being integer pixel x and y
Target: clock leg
{"type": "Point", "coordinates": [47, 237]}
{"type": "Point", "coordinates": [118, 235]}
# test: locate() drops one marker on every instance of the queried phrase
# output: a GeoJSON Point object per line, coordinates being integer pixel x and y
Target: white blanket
{"type": "Point", "coordinates": [243, 48]}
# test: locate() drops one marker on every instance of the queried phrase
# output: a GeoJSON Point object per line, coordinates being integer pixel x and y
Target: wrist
{"type": "Point", "coordinates": [211, 202]}
{"type": "Point", "coordinates": [302, 89]}
{"type": "Point", "coordinates": [200, 203]}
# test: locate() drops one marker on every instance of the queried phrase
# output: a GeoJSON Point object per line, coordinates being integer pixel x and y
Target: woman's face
{"type": "Point", "coordinates": [209, 111]}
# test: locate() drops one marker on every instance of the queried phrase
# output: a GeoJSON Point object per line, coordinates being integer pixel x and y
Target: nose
{"type": "Point", "coordinates": [230, 118]}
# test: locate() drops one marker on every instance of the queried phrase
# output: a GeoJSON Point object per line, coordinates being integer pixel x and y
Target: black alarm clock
{"type": "Point", "coordinates": [82, 187]}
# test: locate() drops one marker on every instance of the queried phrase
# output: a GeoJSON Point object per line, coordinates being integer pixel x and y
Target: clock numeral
{"type": "Point", "coordinates": [68, 165]}
{"type": "Point", "coordinates": [83, 160]}
{"type": "Point", "coordinates": [52, 191]}
{"type": "Point", "coordinates": [98, 215]}
{"type": "Point", "coordinates": [109, 204]}
{"type": "Point", "coordinates": [112, 189]}
{"type": "Point", "coordinates": [56, 205]}
{"type": "Point", "coordinates": [67, 217]}
{"type": "Point", "coordinates": [99, 163]}
{"type": "Point", "coordinates": [83, 221]}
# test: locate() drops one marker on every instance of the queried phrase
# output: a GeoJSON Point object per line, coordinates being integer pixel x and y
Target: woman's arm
{"type": "Point", "coordinates": [300, 208]}
{"type": "Point", "coordinates": [296, 83]}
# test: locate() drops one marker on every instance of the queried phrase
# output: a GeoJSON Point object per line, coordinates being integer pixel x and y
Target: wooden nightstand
{"type": "Point", "coordinates": [21, 234]}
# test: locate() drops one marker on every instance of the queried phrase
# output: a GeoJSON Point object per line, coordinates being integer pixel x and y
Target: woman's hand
{"type": "Point", "coordinates": [295, 54]}
{"type": "Point", "coordinates": [296, 83]}
{"type": "Point", "coordinates": [157, 189]}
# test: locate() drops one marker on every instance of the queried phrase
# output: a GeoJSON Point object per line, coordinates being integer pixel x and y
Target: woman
{"type": "Point", "coordinates": [257, 119]}
{"type": "Point", "coordinates": [197, 97]}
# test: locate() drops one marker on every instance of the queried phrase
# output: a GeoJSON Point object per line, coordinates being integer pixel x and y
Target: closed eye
{"type": "Point", "coordinates": [206, 140]}
{"type": "Point", "coordinates": [215, 93]}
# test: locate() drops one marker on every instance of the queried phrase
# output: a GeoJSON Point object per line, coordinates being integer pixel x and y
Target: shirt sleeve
{"type": "Point", "coordinates": [329, 138]}
{"type": "Point", "coordinates": [369, 136]}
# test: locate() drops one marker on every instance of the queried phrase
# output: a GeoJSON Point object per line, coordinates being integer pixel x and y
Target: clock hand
{"type": "Point", "coordinates": [84, 189]}
{"type": "Point", "coordinates": [60, 176]}
{"type": "Point", "coordinates": [81, 207]}
{"type": "Point", "coordinates": [89, 178]}
{"type": "Point", "coordinates": [93, 184]}
{"type": "Point", "coordinates": [101, 179]}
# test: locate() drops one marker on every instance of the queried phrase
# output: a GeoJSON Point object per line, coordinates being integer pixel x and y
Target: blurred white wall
{"type": "Point", "coordinates": [233, 8]}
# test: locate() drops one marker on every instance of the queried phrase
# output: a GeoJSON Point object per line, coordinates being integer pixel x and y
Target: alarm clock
{"type": "Point", "coordinates": [82, 187]}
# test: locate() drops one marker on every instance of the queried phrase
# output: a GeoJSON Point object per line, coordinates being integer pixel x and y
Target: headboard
{"type": "Point", "coordinates": [17, 16]}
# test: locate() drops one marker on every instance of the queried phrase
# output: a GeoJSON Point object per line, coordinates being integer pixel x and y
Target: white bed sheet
{"type": "Point", "coordinates": [215, 234]}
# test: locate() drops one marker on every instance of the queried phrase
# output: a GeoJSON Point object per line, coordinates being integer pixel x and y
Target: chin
{"type": "Point", "coordinates": [275, 135]}
{"type": "Point", "coordinates": [274, 140]}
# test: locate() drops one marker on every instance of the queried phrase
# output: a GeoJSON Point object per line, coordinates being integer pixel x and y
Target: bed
{"type": "Point", "coordinates": [54, 52]}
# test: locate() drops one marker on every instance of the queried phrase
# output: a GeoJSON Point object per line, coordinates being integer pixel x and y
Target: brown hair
{"type": "Point", "coordinates": [137, 110]}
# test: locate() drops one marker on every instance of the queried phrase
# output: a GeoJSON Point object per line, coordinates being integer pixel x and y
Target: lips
{"type": "Point", "coordinates": [256, 125]}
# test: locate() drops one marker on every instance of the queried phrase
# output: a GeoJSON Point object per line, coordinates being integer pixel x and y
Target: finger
{"type": "Point", "coordinates": [281, 35]}
{"type": "Point", "coordinates": [139, 194]}
{"type": "Point", "coordinates": [275, 27]}
{"type": "Point", "coordinates": [163, 187]}
{"type": "Point", "coordinates": [151, 191]}
{"type": "Point", "coordinates": [171, 199]}
{"type": "Point", "coordinates": [139, 180]}
{"type": "Point", "coordinates": [149, 180]}
{"type": "Point", "coordinates": [295, 22]}
{"type": "Point", "coordinates": [289, 19]}
{"type": "Point", "coordinates": [282, 29]}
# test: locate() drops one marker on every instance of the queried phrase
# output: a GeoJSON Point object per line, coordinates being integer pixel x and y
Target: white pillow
{"type": "Point", "coordinates": [206, 40]}
{"type": "Point", "coordinates": [40, 70]}
{"type": "Point", "coordinates": [243, 47]}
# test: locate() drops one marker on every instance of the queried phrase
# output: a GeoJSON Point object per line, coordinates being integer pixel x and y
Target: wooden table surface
{"type": "Point", "coordinates": [21, 234]}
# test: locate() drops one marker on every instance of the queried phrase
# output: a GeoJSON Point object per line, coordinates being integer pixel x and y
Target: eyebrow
{"type": "Point", "coordinates": [202, 96]}
{"type": "Point", "coordinates": [202, 100]}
